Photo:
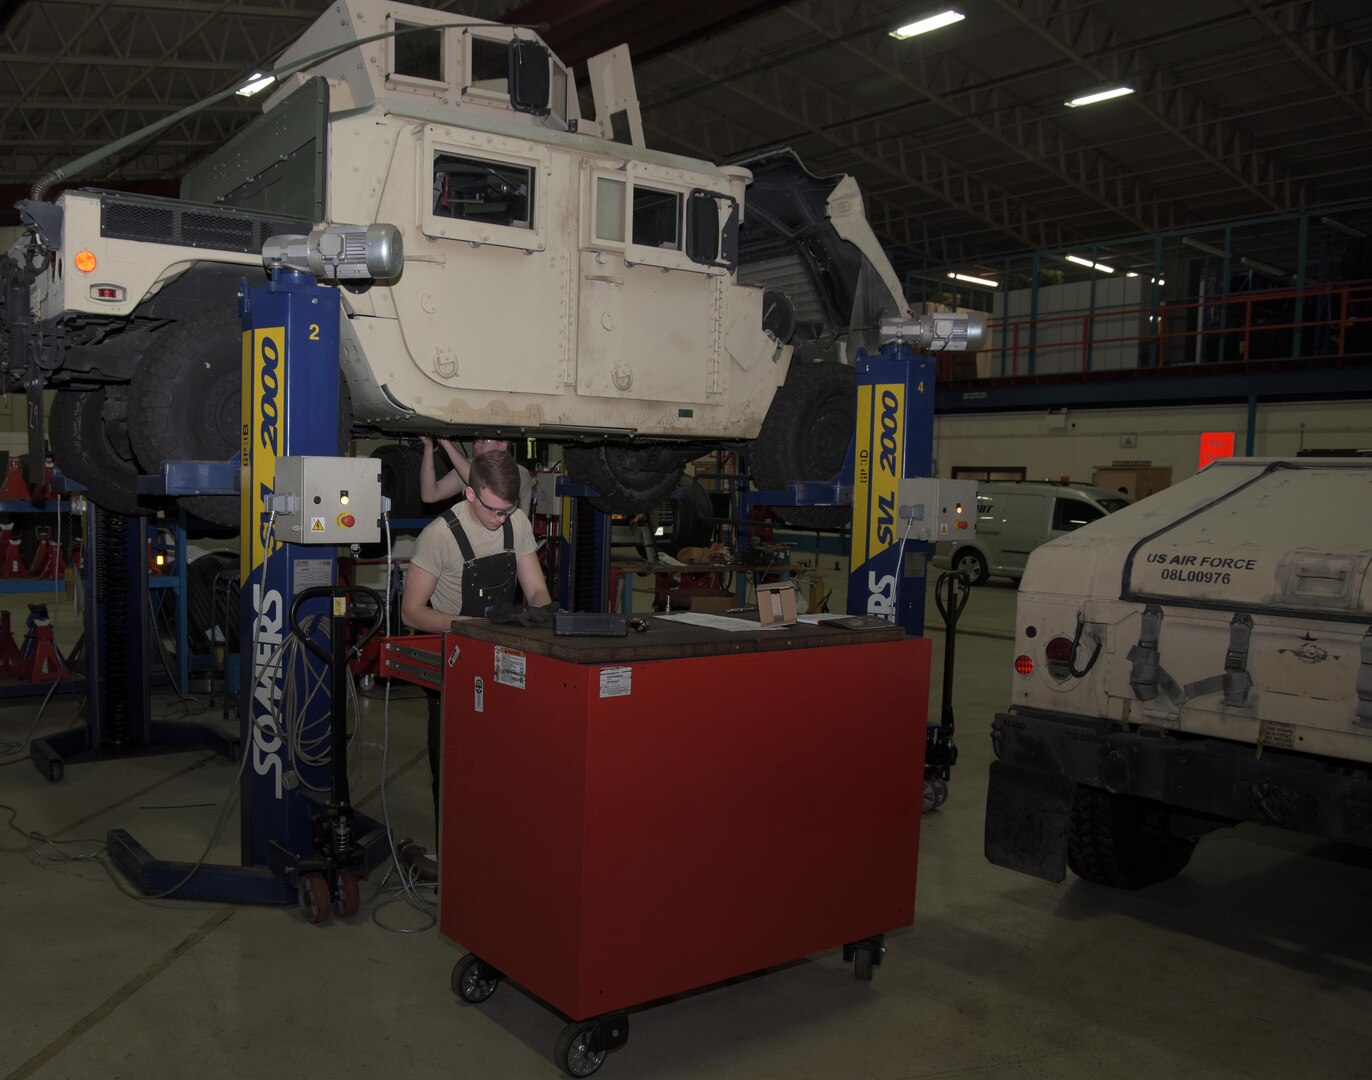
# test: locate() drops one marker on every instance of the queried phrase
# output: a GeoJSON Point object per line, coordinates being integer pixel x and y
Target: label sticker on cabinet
{"type": "Point", "coordinates": [478, 694]}
{"type": "Point", "coordinates": [616, 681]}
{"type": "Point", "coordinates": [509, 667]}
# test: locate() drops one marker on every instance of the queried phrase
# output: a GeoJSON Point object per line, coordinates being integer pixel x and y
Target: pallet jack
{"type": "Point", "coordinates": [327, 880]}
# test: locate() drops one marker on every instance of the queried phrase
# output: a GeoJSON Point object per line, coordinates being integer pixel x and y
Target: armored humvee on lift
{"type": "Point", "coordinates": [562, 280]}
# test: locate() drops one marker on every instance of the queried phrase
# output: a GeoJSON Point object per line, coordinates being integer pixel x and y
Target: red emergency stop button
{"type": "Point", "coordinates": [346, 521]}
{"type": "Point", "coordinates": [962, 525]}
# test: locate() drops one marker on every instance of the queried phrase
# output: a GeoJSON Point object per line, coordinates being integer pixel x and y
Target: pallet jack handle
{"type": "Point", "coordinates": [334, 592]}
{"type": "Point", "coordinates": [951, 593]}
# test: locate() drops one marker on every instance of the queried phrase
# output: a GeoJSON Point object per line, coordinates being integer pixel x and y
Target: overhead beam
{"type": "Point", "coordinates": [1082, 35]}
{"type": "Point", "coordinates": [579, 29]}
{"type": "Point", "coordinates": [941, 80]}
{"type": "Point", "coordinates": [1319, 47]}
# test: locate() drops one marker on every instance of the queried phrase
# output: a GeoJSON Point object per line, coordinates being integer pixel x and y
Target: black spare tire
{"type": "Point", "coordinates": [185, 402]}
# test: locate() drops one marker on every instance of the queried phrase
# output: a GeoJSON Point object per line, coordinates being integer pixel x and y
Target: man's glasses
{"type": "Point", "coordinates": [500, 515]}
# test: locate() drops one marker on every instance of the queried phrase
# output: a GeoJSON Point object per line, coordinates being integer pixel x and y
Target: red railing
{"type": "Point", "coordinates": [1243, 327]}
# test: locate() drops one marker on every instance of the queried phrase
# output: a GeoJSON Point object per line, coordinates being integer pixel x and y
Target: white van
{"type": "Point", "coordinates": [1015, 517]}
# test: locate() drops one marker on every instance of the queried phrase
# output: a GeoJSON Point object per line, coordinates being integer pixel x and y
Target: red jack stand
{"type": "Point", "coordinates": [14, 487]}
{"type": "Point", "coordinates": [47, 560]}
{"type": "Point", "coordinates": [11, 659]}
{"type": "Point", "coordinates": [43, 492]}
{"type": "Point", "coordinates": [42, 662]}
{"type": "Point", "coordinates": [12, 565]}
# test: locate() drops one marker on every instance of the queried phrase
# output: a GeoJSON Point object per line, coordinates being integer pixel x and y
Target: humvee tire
{"type": "Point", "coordinates": [629, 479]}
{"type": "Point", "coordinates": [400, 480]}
{"type": "Point", "coordinates": [805, 437]}
{"type": "Point", "coordinates": [88, 433]}
{"type": "Point", "coordinates": [186, 393]}
{"type": "Point", "coordinates": [1120, 841]}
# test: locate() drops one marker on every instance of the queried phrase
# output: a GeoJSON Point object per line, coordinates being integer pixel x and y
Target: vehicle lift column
{"type": "Point", "coordinates": [290, 813]}
{"type": "Point", "coordinates": [899, 510]}
{"type": "Point", "coordinates": [119, 659]}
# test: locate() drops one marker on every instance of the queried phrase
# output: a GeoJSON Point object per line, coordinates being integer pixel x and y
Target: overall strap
{"type": "Point", "coordinates": [460, 534]}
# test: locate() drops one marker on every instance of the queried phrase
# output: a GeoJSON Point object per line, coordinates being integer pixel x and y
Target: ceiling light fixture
{"type": "Point", "coordinates": [1103, 95]}
{"type": "Point", "coordinates": [1201, 245]}
{"type": "Point", "coordinates": [923, 26]}
{"type": "Point", "coordinates": [1266, 268]}
{"type": "Point", "coordinates": [1093, 265]}
{"type": "Point", "coordinates": [257, 82]}
{"type": "Point", "coordinates": [971, 280]}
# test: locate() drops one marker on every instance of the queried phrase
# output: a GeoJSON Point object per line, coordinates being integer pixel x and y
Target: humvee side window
{"type": "Point", "coordinates": [490, 68]}
{"type": "Point", "coordinates": [417, 52]}
{"type": "Point", "coordinates": [609, 210]}
{"type": "Point", "coordinates": [489, 192]}
{"type": "Point", "coordinates": [657, 218]}
{"type": "Point", "coordinates": [557, 94]}
{"type": "Point", "coordinates": [1073, 513]}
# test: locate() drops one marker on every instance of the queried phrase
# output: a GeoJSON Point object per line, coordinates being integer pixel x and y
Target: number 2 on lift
{"type": "Point", "coordinates": [314, 331]}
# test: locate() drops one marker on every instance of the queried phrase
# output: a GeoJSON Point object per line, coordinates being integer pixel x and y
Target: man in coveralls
{"type": "Point", "coordinates": [467, 559]}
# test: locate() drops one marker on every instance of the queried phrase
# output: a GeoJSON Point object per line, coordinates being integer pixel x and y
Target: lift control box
{"type": "Point", "coordinates": [327, 500]}
{"type": "Point", "coordinates": [938, 510]}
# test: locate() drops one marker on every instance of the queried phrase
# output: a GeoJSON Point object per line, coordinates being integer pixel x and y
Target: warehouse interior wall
{"type": "Point", "coordinates": [1056, 443]}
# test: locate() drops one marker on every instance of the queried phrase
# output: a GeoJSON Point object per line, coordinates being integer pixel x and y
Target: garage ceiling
{"type": "Point", "coordinates": [960, 138]}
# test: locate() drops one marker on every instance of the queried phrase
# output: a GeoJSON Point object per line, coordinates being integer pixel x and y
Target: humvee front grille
{"type": "Point", "coordinates": [169, 221]}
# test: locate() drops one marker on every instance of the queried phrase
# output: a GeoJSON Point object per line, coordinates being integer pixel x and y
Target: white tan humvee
{"type": "Point", "coordinates": [1198, 659]}
{"type": "Point", "coordinates": [562, 280]}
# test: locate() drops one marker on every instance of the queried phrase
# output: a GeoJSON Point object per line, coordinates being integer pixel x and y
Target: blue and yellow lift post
{"type": "Point", "coordinates": [289, 806]}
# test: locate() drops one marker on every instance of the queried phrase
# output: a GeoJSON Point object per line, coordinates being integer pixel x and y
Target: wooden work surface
{"type": "Point", "coordinates": [666, 640]}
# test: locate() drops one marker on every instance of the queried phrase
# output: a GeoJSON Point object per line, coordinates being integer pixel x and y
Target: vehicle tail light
{"type": "Point", "coordinates": [84, 261]}
{"type": "Point", "coordinates": [1058, 653]}
{"type": "Point", "coordinates": [1024, 665]}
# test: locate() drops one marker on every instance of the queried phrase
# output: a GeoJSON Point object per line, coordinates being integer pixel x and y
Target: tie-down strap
{"type": "Point", "coordinates": [1147, 675]}
{"type": "Point", "coordinates": [1236, 681]}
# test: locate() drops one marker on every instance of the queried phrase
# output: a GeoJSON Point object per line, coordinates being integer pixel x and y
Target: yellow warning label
{"type": "Point", "coordinates": [340, 606]}
{"type": "Point", "coordinates": [316, 525]}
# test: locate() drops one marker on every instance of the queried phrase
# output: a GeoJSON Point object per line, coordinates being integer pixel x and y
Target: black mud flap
{"type": "Point", "coordinates": [1027, 816]}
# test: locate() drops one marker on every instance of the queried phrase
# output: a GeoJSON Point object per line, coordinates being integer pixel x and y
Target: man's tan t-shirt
{"type": "Point", "coordinates": [436, 552]}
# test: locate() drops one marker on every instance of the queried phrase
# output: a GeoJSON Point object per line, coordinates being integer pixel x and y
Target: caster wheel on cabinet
{"type": "Point", "coordinates": [573, 1054]}
{"type": "Point", "coordinates": [474, 980]}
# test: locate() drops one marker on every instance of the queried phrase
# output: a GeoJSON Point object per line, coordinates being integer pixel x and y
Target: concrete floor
{"type": "Point", "coordinates": [1255, 963]}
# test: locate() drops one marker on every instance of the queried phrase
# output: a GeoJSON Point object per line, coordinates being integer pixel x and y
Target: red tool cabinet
{"type": "Point", "coordinates": [625, 819]}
